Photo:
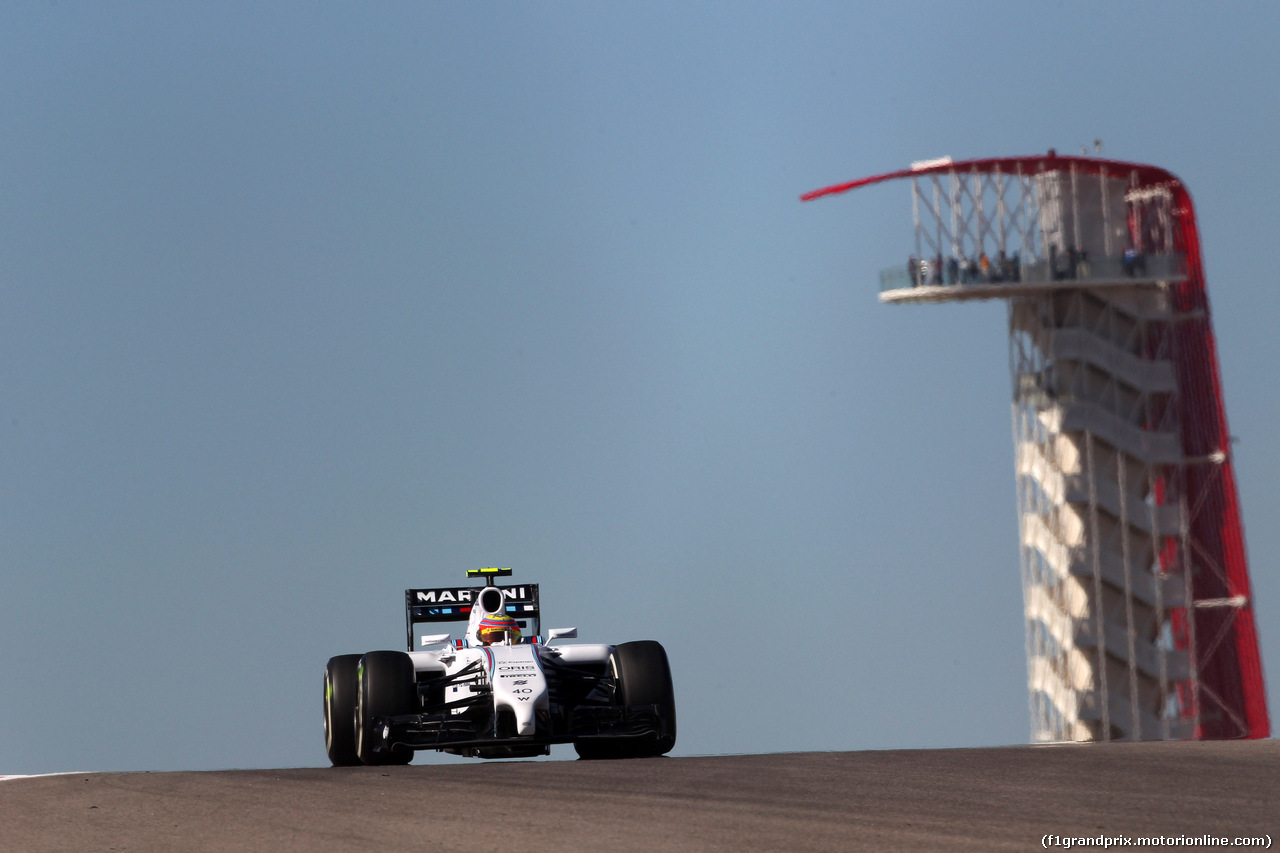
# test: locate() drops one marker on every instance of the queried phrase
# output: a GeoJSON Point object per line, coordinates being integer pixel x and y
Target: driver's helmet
{"type": "Point", "coordinates": [494, 626]}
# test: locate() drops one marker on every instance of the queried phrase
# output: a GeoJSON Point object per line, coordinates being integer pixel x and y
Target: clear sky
{"type": "Point", "coordinates": [304, 304]}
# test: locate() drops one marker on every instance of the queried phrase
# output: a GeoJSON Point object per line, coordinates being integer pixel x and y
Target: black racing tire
{"type": "Point", "coordinates": [386, 689]}
{"type": "Point", "coordinates": [645, 674]}
{"type": "Point", "coordinates": [340, 687]}
{"type": "Point", "coordinates": [644, 678]}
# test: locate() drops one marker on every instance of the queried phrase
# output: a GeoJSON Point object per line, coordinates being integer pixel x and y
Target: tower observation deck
{"type": "Point", "coordinates": [1138, 607]}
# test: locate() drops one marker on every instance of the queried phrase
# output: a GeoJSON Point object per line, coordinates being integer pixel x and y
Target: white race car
{"type": "Point", "coordinates": [499, 690]}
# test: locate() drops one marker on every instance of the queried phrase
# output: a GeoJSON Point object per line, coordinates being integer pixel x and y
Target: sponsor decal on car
{"type": "Point", "coordinates": [465, 594]}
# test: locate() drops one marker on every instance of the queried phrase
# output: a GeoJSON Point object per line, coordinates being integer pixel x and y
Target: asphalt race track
{"type": "Point", "coordinates": [960, 799]}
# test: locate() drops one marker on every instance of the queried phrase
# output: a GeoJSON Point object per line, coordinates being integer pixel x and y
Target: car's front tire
{"type": "Point", "coordinates": [644, 678]}
{"type": "Point", "coordinates": [386, 689]}
{"type": "Point", "coordinates": [340, 688]}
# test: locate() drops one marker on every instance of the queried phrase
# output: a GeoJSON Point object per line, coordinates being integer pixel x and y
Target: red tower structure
{"type": "Point", "coordinates": [1136, 586]}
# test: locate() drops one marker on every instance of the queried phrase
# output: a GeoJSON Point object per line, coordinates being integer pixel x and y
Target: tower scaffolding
{"type": "Point", "coordinates": [1138, 608]}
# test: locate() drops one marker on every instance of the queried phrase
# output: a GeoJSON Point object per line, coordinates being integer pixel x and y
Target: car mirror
{"type": "Point", "coordinates": [562, 634]}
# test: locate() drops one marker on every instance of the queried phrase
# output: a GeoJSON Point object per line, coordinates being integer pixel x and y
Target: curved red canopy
{"type": "Point", "coordinates": [1145, 175]}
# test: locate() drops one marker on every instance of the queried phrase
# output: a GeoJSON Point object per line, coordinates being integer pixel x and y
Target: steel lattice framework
{"type": "Point", "coordinates": [1136, 587]}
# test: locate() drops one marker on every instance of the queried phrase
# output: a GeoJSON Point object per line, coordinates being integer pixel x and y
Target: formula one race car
{"type": "Point", "coordinates": [499, 690]}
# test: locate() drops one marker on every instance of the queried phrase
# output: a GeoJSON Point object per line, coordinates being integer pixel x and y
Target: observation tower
{"type": "Point", "coordinates": [1135, 583]}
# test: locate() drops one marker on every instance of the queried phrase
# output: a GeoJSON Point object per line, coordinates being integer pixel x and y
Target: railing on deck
{"type": "Point", "coordinates": [1139, 268]}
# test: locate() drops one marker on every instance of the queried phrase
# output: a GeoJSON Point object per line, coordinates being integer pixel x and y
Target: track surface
{"type": "Point", "coordinates": [961, 799]}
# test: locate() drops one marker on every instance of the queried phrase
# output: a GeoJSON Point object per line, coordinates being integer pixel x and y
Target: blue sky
{"type": "Point", "coordinates": [305, 304]}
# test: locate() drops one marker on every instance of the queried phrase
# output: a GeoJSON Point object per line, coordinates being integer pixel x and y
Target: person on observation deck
{"type": "Point", "coordinates": [1133, 262]}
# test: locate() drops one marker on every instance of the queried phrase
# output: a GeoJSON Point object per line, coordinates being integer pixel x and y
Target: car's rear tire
{"type": "Point", "coordinates": [644, 678]}
{"type": "Point", "coordinates": [386, 689]}
{"type": "Point", "coordinates": [340, 688]}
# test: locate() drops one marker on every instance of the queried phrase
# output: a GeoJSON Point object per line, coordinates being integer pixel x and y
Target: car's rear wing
{"type": "Point", "coordinates": [453, 604]}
